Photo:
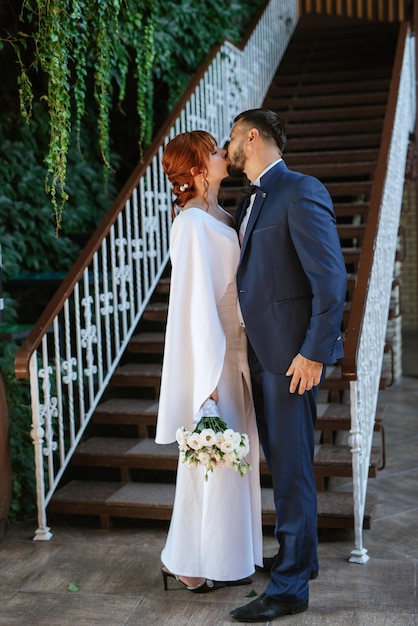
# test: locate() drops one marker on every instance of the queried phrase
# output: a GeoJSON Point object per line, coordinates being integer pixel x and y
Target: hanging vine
{"type": "Point", "coordinates": [81, 37]}
{"type": "Point", "coordinates": [72, 40]}
{"type": "Point", "coordinates": [53, 41]}
{"type": "Point", "coordinates": [139, 36]}
{"type": "Point", "coordinates": [105, 25]}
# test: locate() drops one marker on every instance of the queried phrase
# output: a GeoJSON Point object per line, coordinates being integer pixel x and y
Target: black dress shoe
{"type": "Point", "coordinates": [265, 608]}
{"type": "Point", "coordinates": [268, 564]}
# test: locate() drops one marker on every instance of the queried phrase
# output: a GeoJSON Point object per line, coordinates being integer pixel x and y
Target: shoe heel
{"type": "Point", "coordinates": [165, 576]}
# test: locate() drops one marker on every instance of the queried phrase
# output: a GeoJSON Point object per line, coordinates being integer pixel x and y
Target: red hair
{"type": "Point", "coordinates": [183, 153]}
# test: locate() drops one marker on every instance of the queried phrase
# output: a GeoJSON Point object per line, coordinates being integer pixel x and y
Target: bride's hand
{"type": "Point", "coordinates": [214, 395]}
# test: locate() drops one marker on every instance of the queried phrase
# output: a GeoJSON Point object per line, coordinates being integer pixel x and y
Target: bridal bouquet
{"type": "Point", "coordinates": [213, 444]}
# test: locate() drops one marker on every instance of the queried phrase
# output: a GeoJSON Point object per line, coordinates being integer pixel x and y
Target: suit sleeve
{"type": "Point", "coordinates": [314, 234]}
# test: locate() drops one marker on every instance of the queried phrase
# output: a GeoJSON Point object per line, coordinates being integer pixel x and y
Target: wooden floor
{"type": "Point", "coordinates": [117, 571]}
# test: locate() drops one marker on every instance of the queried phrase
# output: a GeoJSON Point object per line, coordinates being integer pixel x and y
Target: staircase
{"type": "Point", "coordinates": [331, 91]}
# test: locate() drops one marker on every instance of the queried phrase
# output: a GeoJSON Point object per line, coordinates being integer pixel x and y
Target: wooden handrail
{"type": "Point", "coordinates": [354, 327]}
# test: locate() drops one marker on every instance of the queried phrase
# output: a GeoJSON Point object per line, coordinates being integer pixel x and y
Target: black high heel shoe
{"type": "Point", "coordinates": [205, 587]}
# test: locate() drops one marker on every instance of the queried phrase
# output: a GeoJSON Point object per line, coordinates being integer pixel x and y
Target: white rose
{"type": "Point", "coordinates": [219, 440]}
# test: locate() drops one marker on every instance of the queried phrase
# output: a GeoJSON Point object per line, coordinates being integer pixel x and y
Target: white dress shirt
{"type": "Point", "coordinates": [246, 217]}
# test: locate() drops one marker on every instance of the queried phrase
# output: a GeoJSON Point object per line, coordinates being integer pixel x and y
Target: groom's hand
{"type": "Point", "coordinates": [305, 374]}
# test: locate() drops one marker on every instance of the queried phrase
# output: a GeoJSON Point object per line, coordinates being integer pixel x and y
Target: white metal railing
{"type": "Point", "coordinates": [74, 349]}
{"type": "Point", "coordinates": [364, 391]}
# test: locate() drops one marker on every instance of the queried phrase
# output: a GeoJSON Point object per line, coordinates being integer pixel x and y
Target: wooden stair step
{"type": "Point", "coordinates": [163, 285]}
{"type": "Point", "coordinates": [335, 509]}
{"type": "Point", "coordinates": [128, 411]}
{"type": "Point", "coordinates": [126, 452]}
{"type": "Point", "coordinates": [329, 459]}
{"type": "Point", "coordinates": [137, 375]}
{"type": "Point", "coordinates": [156, 311]}
{"type": "Point", "coordinates": [323, 129]}
{"type": "Point", "coordinates": [336, 416]}
{"type": "Point", "coordinates": [285, 90]}
{"type": "Point", "coordinates": [114, 499]}
{"type": "Point", "coordinates": [334, 157]}
{"type": "Point", "coordinates": [336, 101]}
{"type": "Point", "coordinates": [133, 453]}
{"type": "Point", "coordinates": [333, 380]}
{"type": "Point", "coordinates": [344, 209]}
{"type": "Point", "coordinates": [341, 141]}
{"type": "Point", "coordinates": [129, 500]}
{"type": "Point", "coordinates": [288, 77]}
{"type": "Point", "coordinates": [155, 501]}
{"type": "Point", "coordinates": [351, 255]}
{"type": "Point", "coordinates": [335, 460]}
{"type": "Point", "coordinates": [301, 111]}
{"type": "Point", "coordinates": [338, 170]}
{"type": "Point", "coordinates": [348, 231]}
{"type": "Point", "coordinates": [349, 187]}
{"type": "Point", "coordinates": [147, 343]}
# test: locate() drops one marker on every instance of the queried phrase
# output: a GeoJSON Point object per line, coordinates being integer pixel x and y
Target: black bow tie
{"type": "Point", "coordinates": [250, 190]}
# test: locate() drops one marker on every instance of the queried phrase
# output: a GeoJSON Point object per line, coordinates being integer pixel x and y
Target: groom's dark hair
{"type": "Point", "coordinates": [267, 123]}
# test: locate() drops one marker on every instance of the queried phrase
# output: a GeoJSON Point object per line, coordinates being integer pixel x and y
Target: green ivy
{"type": "Point", "coordinates": [72, 40]}
{"type": "Point", "coordinates": [23, 501]}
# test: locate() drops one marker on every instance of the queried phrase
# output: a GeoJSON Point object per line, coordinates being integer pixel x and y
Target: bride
{"type": "Point", "coordinates": [215, 534]}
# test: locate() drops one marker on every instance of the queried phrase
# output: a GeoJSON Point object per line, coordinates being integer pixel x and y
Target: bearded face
{"type": "Point", "coordinates": [236, 158]}
{"type": "Point", "coordinates": [236, 162]}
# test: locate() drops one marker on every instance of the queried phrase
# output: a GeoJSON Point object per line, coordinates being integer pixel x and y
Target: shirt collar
{"type": "Point", "coordinates": [258, 179]}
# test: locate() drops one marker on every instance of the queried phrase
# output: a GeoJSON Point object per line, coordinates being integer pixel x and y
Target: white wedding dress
{"type": "Point", "coordinates": [215, 530]}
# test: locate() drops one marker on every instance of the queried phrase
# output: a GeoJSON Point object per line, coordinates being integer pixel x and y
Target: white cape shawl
{"type": "Point", "coordinates": [204, 255]}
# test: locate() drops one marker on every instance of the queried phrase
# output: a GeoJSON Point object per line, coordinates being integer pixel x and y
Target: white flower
{"type": "Point", "coordinates": [190, 461]}
{"type": "Point", "coordinates": [245, 441]}
{"type": "Point", "coordinates": [229, 435]}
{"type": "Point", "coordinates": [181, 438]}
{"type": "Point", "coordinates": [208, 437]}
{"type": "Point", "coordinates": [194, 442]}
{"type": "Point", "coordinates": [204, 457]}
{"type": "Point", "coordinates": [228, 459]}
{"type": "Point", "coordinates": [227, 446]}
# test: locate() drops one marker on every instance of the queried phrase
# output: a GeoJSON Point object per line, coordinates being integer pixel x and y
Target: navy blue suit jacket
{"type": "Point", "coordinates": [291, 277]}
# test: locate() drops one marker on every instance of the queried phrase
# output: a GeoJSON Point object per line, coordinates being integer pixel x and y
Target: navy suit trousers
{"type": "Point", "coordinates": [286, 424]}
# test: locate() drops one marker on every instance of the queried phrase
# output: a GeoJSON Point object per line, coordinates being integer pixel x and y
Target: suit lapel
{"type": "Point", "coordinates": [267, 184]}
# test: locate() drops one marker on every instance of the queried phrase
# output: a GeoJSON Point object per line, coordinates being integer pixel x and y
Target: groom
{"type": "Point", "coordinates": [291, 283]}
